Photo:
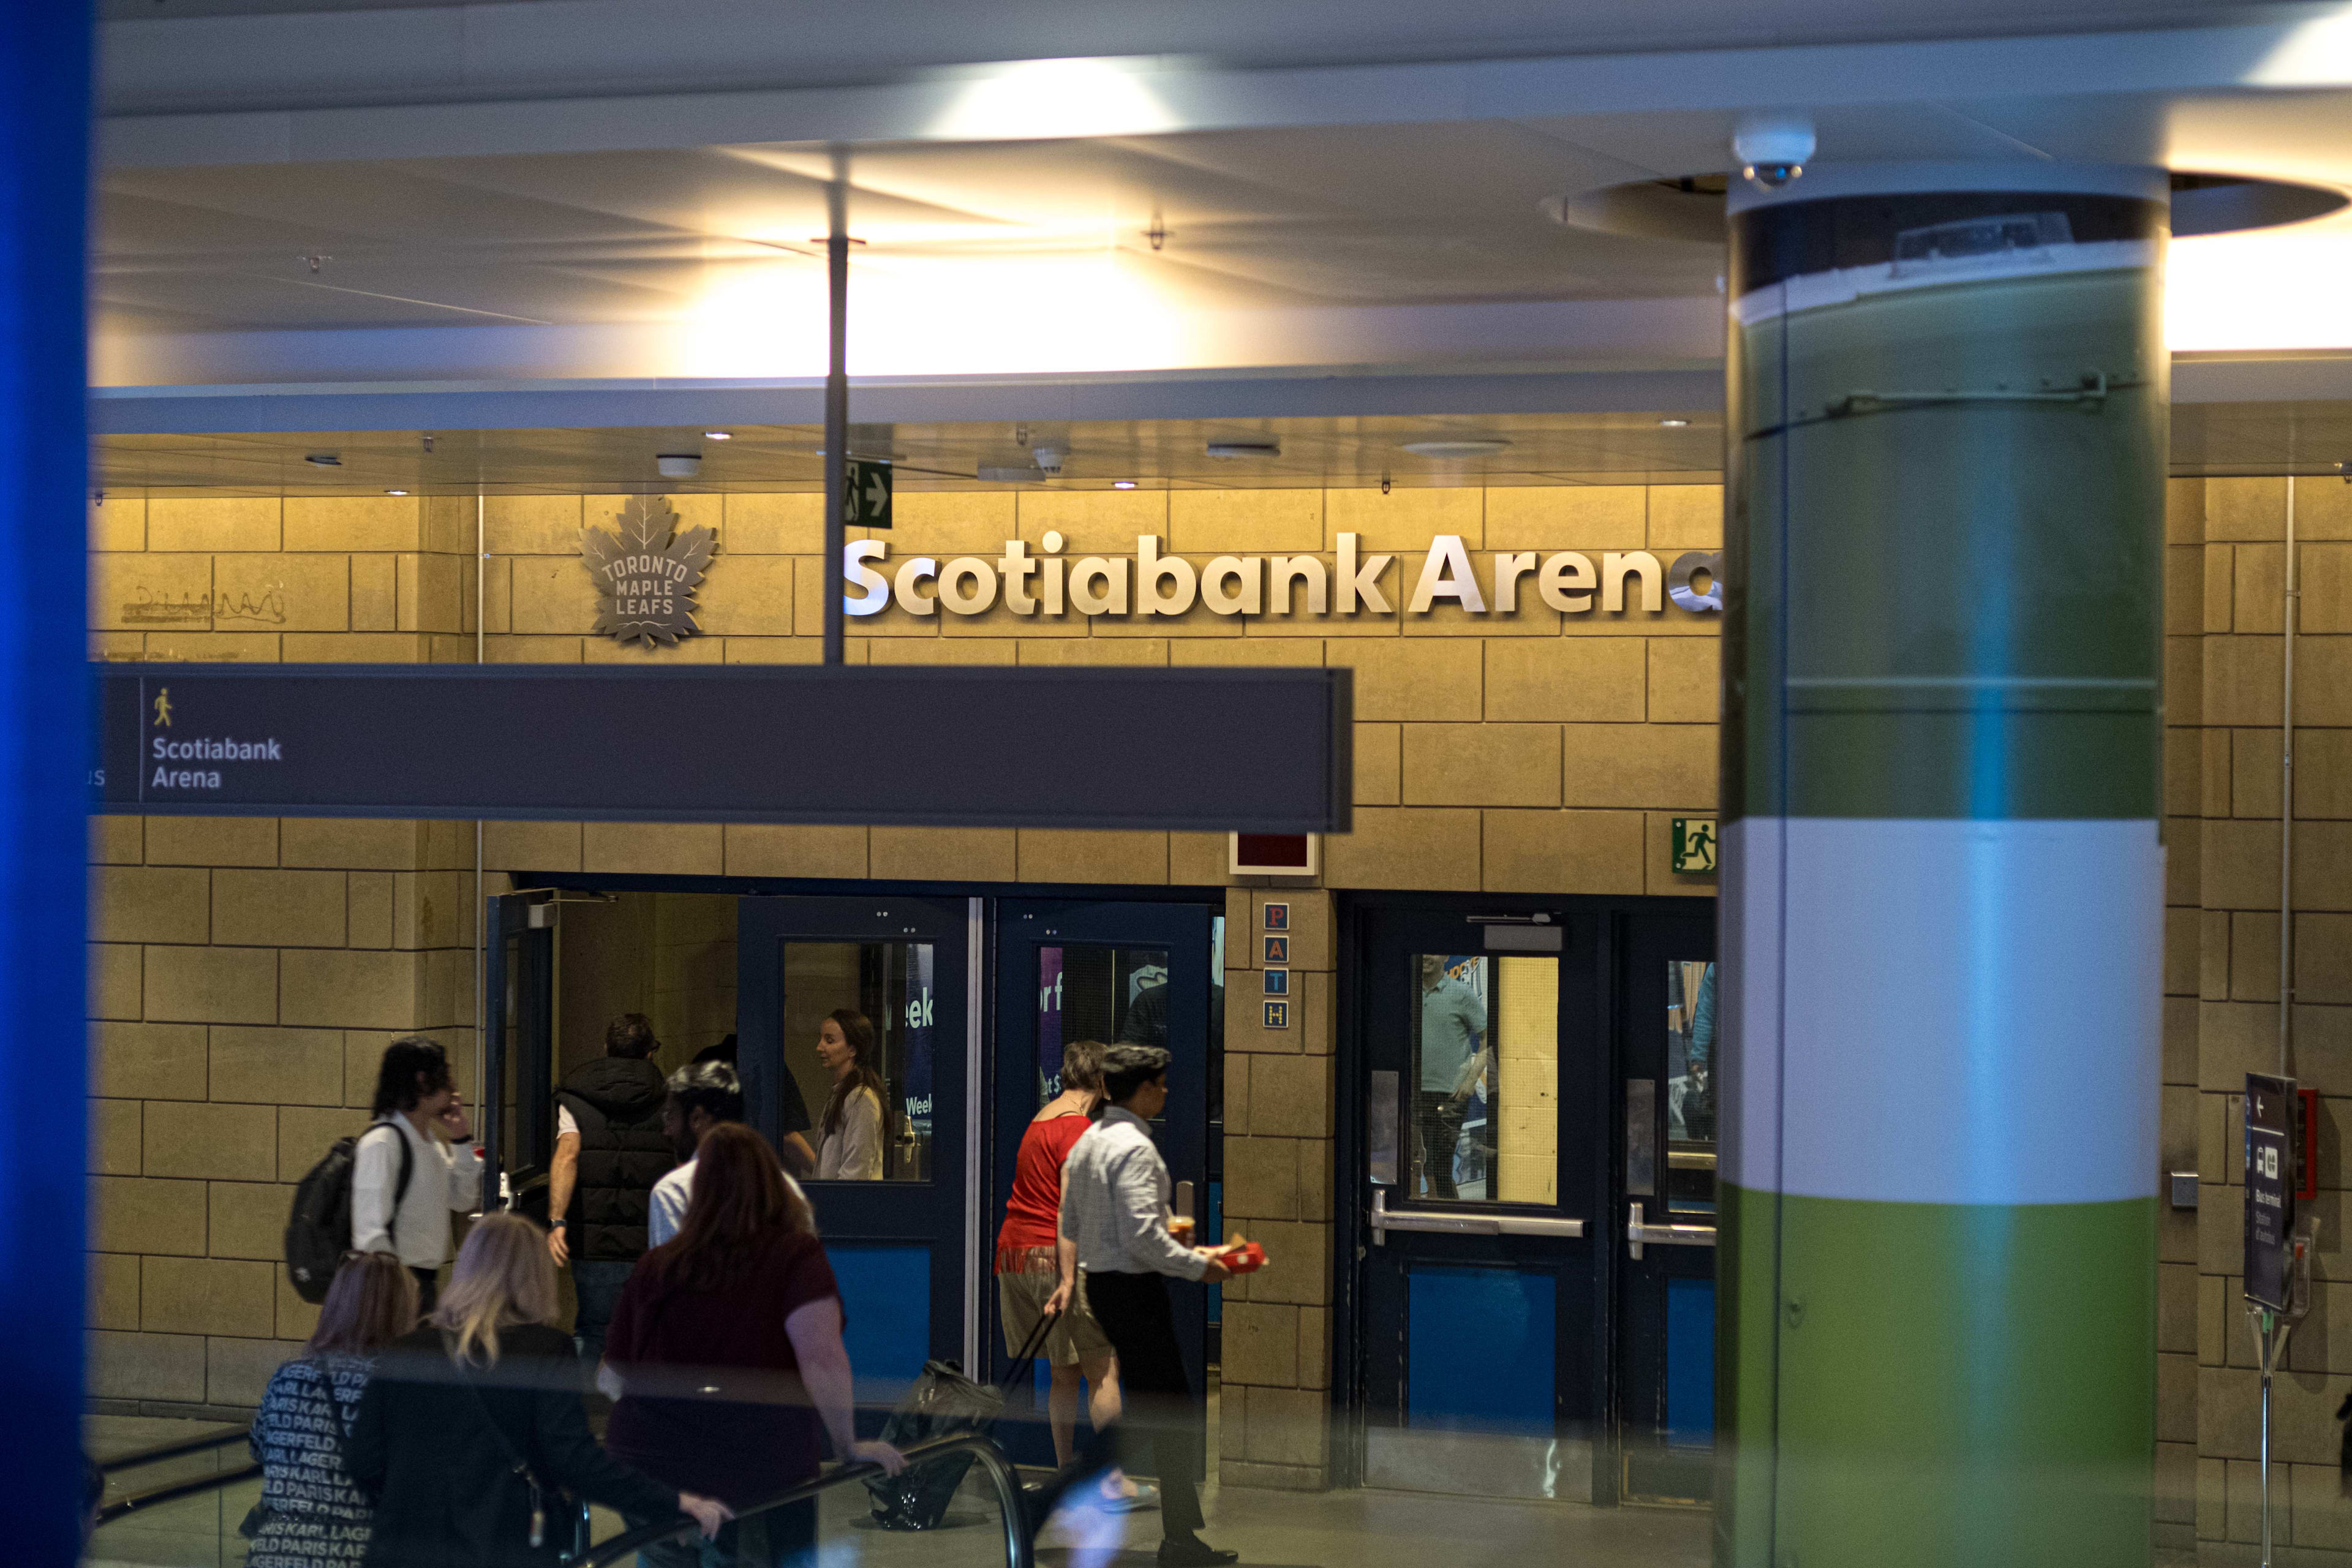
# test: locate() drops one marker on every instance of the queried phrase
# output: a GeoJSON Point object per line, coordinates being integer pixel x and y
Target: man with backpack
{"type": "Point", "coordinates": [406, 1177]}
{"type": "Point", "coordinates": [610, 1149]}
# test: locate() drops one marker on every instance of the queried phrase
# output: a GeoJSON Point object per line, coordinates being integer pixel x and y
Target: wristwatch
{"type": "Point", "coordinates": [559, 1225]}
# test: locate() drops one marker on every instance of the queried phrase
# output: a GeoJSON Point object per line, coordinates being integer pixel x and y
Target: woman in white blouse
{"type": "Point", "coordinates": [849, 1141]}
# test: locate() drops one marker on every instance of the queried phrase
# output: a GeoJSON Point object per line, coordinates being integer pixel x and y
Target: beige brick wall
{"type": "Point", "coordinates": [2222, 800]}
{"type": "Point", "coordinates": [1275, 1367]}
{"type": "Point", "coordinates": [244, 973]}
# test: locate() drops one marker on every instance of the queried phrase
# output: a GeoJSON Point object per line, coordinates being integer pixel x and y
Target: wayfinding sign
{"type": "Point", "coordinates": [2270, 1191]}
{"type": "Point", "coordinates": [1196, 750]}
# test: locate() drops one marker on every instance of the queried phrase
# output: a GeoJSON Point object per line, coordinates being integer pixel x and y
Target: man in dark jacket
{"type": "Point", "coordinates": [610, 1149]}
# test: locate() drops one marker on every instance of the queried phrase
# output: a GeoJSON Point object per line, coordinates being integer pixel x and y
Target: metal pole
{"type": "Point", "coordinates": [837, 401]}
{"type": "Point", "coordinates": [2266, 1440]}
{"type": "Point", "coordinates": [2288, 616]}
{"type": "Point", "coordinates": [481, 938]}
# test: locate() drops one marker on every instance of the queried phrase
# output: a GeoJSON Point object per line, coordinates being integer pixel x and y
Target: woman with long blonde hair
{"type": "Point", "coordinates": [472, 1428]}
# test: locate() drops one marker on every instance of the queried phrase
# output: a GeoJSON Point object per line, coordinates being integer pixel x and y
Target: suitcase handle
{"type": "Point", "coordinates": [1028, 1356]}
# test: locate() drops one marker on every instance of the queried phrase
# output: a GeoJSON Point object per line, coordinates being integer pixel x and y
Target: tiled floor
{"type": "Point", "coordinates": [1271, 1529]}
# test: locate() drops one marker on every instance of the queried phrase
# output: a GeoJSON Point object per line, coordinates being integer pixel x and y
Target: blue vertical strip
{"type": "Point", "coordinates": [45, 66]}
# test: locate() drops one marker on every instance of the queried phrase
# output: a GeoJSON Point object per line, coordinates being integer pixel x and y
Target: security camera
{"type": "Point", "coordinates": [2346, 470]}
{"type": "Point", "coordinates": [1047, 458]}
{"type": "Point", "coordinates": [1772, 149]}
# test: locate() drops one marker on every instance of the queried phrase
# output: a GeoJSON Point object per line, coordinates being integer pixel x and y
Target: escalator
{"type": "Point", "coordinates": [177, 1504]}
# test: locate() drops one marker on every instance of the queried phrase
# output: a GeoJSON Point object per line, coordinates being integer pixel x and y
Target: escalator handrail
{"type": "Point", "coordinates": [992, 1459]}
{"type": "Point", "coordinates": [174, 1449]}
{"type": "Point", "coordinates": [189, 1488]}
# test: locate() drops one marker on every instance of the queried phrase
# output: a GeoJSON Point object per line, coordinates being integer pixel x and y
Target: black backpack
{"type": "Point", "coordinates": [319, 1232]}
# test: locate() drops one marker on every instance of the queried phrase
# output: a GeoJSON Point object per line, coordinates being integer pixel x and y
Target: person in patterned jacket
{"type": "Point", "coordinates": [311, 1514]}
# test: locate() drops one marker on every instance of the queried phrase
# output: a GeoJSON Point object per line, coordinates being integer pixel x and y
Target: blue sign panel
{"type": "Point", "coordinates": [1196, 750]}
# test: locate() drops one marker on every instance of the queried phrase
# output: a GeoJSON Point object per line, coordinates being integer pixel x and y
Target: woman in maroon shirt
{"type": "Point", "coordinates": [1037, 1274]}
{"type": "Point", "coordinates": [727, 1343]}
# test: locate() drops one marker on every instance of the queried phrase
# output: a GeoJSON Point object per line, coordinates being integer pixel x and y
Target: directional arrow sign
{"type": "Point", "coordinates": [866, 498]}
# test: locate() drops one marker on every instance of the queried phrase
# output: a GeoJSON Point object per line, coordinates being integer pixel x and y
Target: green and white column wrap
{"type": "Point", "coordinates": [1942, 891]}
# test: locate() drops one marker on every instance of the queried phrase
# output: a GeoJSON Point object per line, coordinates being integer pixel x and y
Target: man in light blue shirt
{"type": "Point", "coordinates": [1115, 1193]}
{"type": "Point", "coordinates": [700, 1098]}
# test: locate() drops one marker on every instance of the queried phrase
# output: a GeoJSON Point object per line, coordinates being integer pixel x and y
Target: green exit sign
{"type": "Point", "coordinates": [866, 498]}
{"type": "Point", "coordinates": [1694, 845]}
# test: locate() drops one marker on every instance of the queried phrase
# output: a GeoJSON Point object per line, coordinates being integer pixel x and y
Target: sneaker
{"type": "Point", "coordinates": [1192, 1551]}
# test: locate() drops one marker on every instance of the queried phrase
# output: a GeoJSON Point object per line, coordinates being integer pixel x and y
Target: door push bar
{"type": "Point", "coordinates": [1384, 1220]}
{"type": "Point", "coordinates": [1638, 1235]}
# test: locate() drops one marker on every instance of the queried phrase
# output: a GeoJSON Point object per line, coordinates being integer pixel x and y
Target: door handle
{"type": "Point", "coordinates": [1385, 1219]}
{"type": "Point", "coordinates": [1638, 1235]}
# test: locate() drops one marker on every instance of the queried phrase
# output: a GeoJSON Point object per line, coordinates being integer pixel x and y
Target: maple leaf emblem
{"type": "Point", "coordinates": [647, 569]}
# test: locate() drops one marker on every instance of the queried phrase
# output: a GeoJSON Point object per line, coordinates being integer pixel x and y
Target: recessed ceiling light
{"type": "Point", "coordinates": [1482, 447]}
{"type": "Point", "coordinates": [718, 435]}
{"type": "Point", "coordinates": [324, 459]}
{"type": "Point", "coordinates": [1236, 451]}
{"type": "Point", "coordinates": [1675, 424]}
{"type": "Point", "coordinates": [395, 492]}
{"type": "Point", "coordinates": [1122, 484]}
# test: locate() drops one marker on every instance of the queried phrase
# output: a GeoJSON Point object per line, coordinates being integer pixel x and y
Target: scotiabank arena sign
{"type": "Point", "coordinates": [1355, 581]}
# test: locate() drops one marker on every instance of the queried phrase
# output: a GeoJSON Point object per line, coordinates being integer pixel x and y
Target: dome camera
{"type": "Point", "coordinates": [1772, 149]}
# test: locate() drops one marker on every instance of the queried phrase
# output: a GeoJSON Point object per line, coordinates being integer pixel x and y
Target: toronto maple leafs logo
{"type": "Point", "coordinates": [647, 571]}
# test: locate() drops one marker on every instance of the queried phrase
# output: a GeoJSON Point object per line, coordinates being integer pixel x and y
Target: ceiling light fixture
{"type": "Point", "coordinates": [678, 464]}
{"type": "Point", "coordinates": [324, 459]}
{"type": "Point", "coordinates": [1477, 447]}
{"type": "Point", "coordinates": [718, 435]}
{"type": "Point", "coordinates": [1674, 424]}
{"type": "Point", "coordinates": [1122, 484]}
{"type": "Point", "coordinates": [395, 492]}
{"type": "Point", "coordinates": [1234, 451]}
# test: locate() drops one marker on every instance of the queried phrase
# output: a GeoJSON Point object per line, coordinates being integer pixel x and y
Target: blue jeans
{"type": "Point", "coordinates": [779, 1539]}
{"type": "Point", "coordinates": [599, 1288]}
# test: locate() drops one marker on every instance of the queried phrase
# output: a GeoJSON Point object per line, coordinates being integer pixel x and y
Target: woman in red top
{"type": "Point", "coordinates": [1037, 1272]}
{"type": "Point", "coordinates": [727, 1346]}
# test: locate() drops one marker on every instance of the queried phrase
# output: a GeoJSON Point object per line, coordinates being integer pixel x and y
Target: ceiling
{"type": "Point", "coordinates": [1674, 446]}
{"type": "Point", "coordinates": [1363, 216]}
{"type": "Point", "coordinates": [591, 192]}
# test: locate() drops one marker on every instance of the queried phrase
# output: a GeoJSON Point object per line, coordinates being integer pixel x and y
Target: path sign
{"type": "Point", "coordinates": [866, 494]}
{"type": "Point", "coordinates": [1694, 845]}
{"type": "Point", "coordinates": [2271, 1109]}
{"type": "Point", "coordinates": [1192, 749]}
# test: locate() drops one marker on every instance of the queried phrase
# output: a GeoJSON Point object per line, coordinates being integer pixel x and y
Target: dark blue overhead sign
{"type": "Point", "coordinates": [1194, 750]}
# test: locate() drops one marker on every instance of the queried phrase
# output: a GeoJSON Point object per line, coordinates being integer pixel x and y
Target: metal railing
{"type": "Point", "coordinates": [992, 1459]}
{"type": "Point", "coordinates": [172, 1490]}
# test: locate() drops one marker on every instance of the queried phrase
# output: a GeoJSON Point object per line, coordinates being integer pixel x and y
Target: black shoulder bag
{"type": "Point", "coordinates": [522, 1466]}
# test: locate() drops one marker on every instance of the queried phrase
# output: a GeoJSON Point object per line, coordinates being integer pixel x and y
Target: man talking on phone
{"type": "Point", "coordinates": [1115, 1192]}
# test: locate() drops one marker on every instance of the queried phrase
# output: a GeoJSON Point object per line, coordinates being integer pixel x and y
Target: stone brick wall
{"type": "Point", "coordinates": [233, 961]}
{"type": "Point", "coordinates": [2222, 707]}
{"type": "Point", "coordinates": [1274, 1427]}
{"type": "Point", "coordinates": [245, 975]}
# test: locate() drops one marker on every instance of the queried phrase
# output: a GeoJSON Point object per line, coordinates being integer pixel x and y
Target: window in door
{"type": "Point", "coordinates": [1485, 1085]}
{"type": "Point", "coordinates": [859, 1041]}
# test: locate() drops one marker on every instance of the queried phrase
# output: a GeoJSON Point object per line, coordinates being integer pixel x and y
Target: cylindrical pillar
{"type": "Point", "coordinates": [1942, 882]}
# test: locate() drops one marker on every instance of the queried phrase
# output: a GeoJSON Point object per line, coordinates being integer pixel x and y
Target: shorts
{"type": "Point", "coordinates": [1021, 1300]}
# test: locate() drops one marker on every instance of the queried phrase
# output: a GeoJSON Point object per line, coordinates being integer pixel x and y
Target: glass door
{"type": "Point", "coordinates": [1143, 973]}
{"type": "Point", "coordinates": [852, 1017]}
{"type": "Point", "coordinates": [1667, 1024]}
{"type": "Point", "coordinates": [516, 1115]}
{"type": "Point", "coordinates": [1481, 1082]}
